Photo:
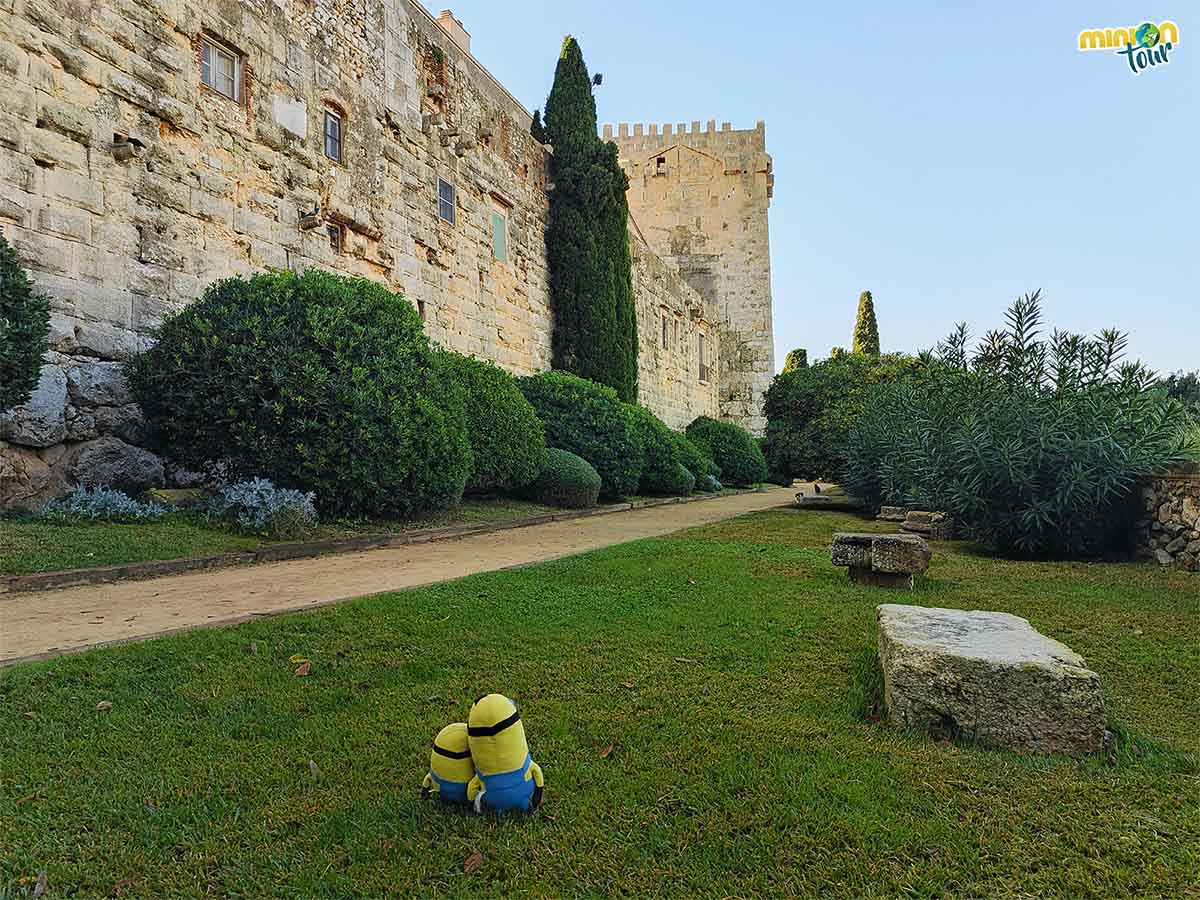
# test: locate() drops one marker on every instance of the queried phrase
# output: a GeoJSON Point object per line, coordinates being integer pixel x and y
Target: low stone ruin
{"type": "Point", "coordinates": [882, 560]}
{"type": "Point", "coordinates": [988, 677]}
{"type": "Point", "coordinates": [892, 513]}
{"type": "Point", "coordinates": [830, 498]}
{"type": "Point", "coordinates": [936, 526]}
{"type": "Point", "coordinates": [1169, 530]}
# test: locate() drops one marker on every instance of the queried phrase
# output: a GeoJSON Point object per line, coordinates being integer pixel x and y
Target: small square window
{"type": "Point", "coordinates": [446, 201]}
{"type": "Point", "coordinates": [333, 135]}
{"type": "Point", "coordinates": [221, 70]}
{"type": "Point", "coordinates": [500, 236]}
{"type": "Point", "coordinates": [335, 237]}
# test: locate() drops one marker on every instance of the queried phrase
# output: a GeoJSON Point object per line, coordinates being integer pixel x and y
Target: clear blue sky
{"type": "Point", "coordinates": [946, 156]}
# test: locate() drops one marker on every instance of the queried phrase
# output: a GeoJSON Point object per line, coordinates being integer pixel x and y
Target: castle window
{"type": "Point", "coordinates": [333, 135]}
{"type": "Point", "coordinates": [677, 329]}
{"type": "Point", "coordinates": [446, 201]}
{"type": "Point", "coordinates": [661, 162]}
{"type": "Point", "coordinates": [334, 231]}
{"type": "Point", "coordinates": [704, 373]}
{"type": "Point", "coordinates": [221, 69]}
{"type": "Point", "coordinates": [664, 331]}
{"type": "Point", "coordinates": [500, 233]}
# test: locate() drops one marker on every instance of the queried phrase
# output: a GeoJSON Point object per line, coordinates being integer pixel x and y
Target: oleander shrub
{"type": "Point", "coordinates": [695, 458]}
{"type": "Point", "coordinates": [259, 507]}
{"type": "Point", "coordinates": [810, 412]}
{"type": "Point", "coordinates": [661, 458]}
{"type": "Point", "coordinates": [507, 438]}
{"type": "Point", "coordinates": [24, 326]}
{"type": "Point", "coordinates": [589, 420]}
{"type": "Point", "coordinates": [566, 480]}
{"type": "Point", "coordinates": [314, 381]}
{"type": "Point", "coordinates": [732, 448]}
{"type": "Point", "coordinates": [99, 504]}
{"type": "Point", "coordinates": [1034, 443]}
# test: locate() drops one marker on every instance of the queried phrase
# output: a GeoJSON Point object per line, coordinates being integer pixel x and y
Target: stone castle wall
{"type": "Point", "coordinates": [1169, 530]}
{"type": "Point", "coordinates": [701, 198]}
{"type": "Point", "coordinates": [127, 186]}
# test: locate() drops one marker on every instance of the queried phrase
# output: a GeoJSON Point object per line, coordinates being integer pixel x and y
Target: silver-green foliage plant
{"type": "Point", "coordinates": [1035, 444]}
{"type": "Point", "coordinates": [257, 506]}
{"type": "Point", "coordinates": [99, 504]}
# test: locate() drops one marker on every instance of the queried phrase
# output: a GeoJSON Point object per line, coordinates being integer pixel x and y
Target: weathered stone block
{"type": "Point", "coordinates": [111, 462]}
{"type": "Point", "coordinates": [881, 560]}
{"type": "Point", "coordinates": [93, 383]}
{"type": "Point", "coordinates": [892, 513]}
{"type": "Point", "coordinates": [988, 677]}
{"type": "Point", "coordinates": [41, 421]}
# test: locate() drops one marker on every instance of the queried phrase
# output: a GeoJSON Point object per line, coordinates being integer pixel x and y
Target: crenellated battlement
{"type": "Point", "coordinates": [638, 136]}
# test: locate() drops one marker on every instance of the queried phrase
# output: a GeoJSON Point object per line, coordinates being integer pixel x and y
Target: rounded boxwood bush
{"type": "Point", "coordinates": [314, 381]}
{"type": "Point", "coordinates": [507, 438]}
{"type": "Point", "coordinates": [566, 480]}
{"type": "Point", "coordinates": [695, 458]}
{"type": "Point", "coordinates": [24, 325]}
{"type": "Point", "coordinates": [588, 419]}
{"type": "Point", "coordinates": [660, 454]}
{"type": "Point", "coordinates": [732, 448]}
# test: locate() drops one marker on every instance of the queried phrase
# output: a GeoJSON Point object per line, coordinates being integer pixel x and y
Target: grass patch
{"type": "Point", "coordinates": [736, 694]}
{"type": "Point", "coordinates": [28, 546]}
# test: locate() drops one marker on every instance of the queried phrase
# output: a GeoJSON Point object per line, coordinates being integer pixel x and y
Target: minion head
{"type": "Point", "coordinates": [496, 735]}
{"type": "Point", "coordinates": [450, 759]}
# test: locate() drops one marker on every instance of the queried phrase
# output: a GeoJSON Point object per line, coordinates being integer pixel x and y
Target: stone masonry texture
{"type": "Point", "coordinates": [700, 197]}
{"type": "Point", "coordinates": [127, 186]}
{"type": "Point", "coordinates": [1169, 530]}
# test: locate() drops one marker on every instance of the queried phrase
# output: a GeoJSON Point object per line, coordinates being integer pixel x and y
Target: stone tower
{"type": "Point", "coordinates": [700, 198]}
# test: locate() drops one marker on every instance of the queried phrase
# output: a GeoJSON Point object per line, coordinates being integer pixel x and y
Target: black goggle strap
{"type": "Point", "coordinates": [451, 754]}
{"type": "Point", "coordinates": [490, 730]}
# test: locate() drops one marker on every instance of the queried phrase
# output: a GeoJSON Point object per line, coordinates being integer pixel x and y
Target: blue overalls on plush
{"type": "Point", "coordinates": [508, 790]}
{"type": "Point", "coordinates": [451, 791]}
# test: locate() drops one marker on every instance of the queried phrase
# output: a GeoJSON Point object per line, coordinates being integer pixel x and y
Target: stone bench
{"type": "Point", "coordinates": [988, 677]}
{"type": "Point", "coordinates": [881, 560]}
{"type": "Point", "coordinates": [936, 526]}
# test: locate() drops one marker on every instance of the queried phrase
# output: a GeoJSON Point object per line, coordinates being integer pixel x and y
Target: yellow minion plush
{"type": "Point", "coordinates": [450, 767]}
{"type": "Point", "coordinates": [505, 776]}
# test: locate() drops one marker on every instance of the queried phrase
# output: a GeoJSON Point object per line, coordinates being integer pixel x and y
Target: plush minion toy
{"type": "Point", "coordinates": [505, 776]}
{"type": "Point", "coordinates": [450, 767]}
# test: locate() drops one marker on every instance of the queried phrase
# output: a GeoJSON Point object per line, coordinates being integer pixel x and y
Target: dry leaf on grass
{"type": "Point", "coordinates": [314, 769]}
{"type": "Point", "coordinates": [473, 862]}
{"type": "Point", "coordinates": [43, 884]}
{"type": "Point", "coordinates": [104, 706]}
{"type": "Point", "coordinates": [607, 751]}
{"type": "Point", "coordinates": [684, 659]}
{"type": "Point", "coordinates": [303, 669]}
{"type": "Point", "coordinates": [627, 684]}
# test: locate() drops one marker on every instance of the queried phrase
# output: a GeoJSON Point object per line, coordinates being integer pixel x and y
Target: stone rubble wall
{"type": "Point", "coordinates": [1169, 531]}
{"type": "Point", "coordinates": [126, 187]}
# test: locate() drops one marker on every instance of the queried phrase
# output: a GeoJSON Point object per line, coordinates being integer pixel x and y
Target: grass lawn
{"type": "Point", "coordinates": [30, 546]}
{"type": "Point", "coordinates": [728, 667]}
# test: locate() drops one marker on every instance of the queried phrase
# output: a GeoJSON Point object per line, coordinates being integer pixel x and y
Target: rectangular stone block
{"type": "Point", "coordinates": [988, 677]}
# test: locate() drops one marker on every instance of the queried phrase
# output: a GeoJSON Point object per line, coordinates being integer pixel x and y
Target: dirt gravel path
{"type": "Point", "coordinates": [34, 625]}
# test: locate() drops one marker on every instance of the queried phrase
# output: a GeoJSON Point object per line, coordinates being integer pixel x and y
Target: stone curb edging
{"type": "Point", "coordinates": [46, 581]}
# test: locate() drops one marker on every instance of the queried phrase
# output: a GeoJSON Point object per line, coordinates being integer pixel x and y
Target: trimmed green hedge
{"type": "Point", "coordinates": [695, 458]}
{"type": "Point", "coordinates": [588, 420]}
{"type": "Point", "coordinates": [661, 460]}
{"type": "Point", "coordinates": [314, 381]}
{"type": "Point", "coordinates": [566, 480]}
{"type": "Point", "coordinates": [507, 438]}
{"type": "Point", "coordinates": [732, 448]}
{"type": "Point", "coordinates": [24, 325]}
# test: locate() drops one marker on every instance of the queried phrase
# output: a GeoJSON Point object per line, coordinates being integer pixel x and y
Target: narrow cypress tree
{"type": "Point", "coordinates": [24, 325]}
{"type": "Point", "coordinates": [796, 359]}
{"type": "Point", "coordinates": [866, 329]}
{"type": "Point", "coordinates": [587, 242]}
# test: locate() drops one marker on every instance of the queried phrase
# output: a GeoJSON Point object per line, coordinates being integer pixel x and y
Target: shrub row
{"type": "Point", "coordinates": [328, 386]}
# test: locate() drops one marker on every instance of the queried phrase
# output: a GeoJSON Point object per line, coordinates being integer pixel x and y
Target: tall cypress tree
{"type": "Point", "coordinates": [587, 242]}
{"type": "Point", "coordinates": [866, 329]}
